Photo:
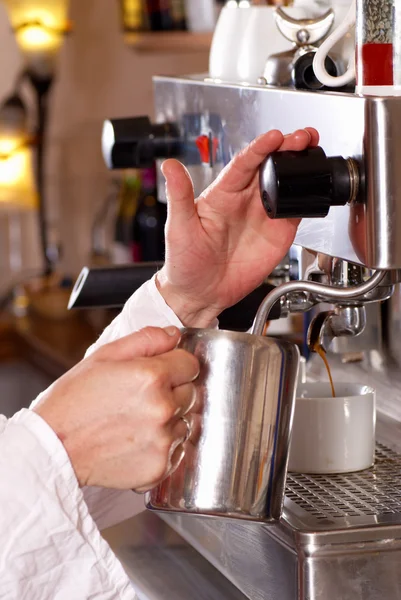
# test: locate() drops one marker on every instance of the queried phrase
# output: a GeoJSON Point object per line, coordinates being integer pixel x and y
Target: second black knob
{"type": "Point", "coordinates": [306, 184]}
{"type": "Point", "coordinates": [135, 143]}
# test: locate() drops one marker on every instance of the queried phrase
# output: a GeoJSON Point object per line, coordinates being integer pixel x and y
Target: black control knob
{"type": "Point", "coordinates": [135, 143]}
{"type": "Point", "coordinates": [306, 184]}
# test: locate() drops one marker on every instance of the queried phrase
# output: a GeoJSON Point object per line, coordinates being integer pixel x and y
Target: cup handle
{"type": "Point", "coordinates": [324, 49]}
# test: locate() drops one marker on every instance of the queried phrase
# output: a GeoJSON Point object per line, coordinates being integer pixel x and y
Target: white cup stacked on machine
{"type": "Point", "coordinates": [246, 35]}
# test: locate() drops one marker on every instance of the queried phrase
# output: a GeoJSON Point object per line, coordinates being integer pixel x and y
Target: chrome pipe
{"type": "Point", "coordinates": [325, 292]}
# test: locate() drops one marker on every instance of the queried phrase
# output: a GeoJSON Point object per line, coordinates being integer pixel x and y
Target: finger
{"type": "Point", "coordinates": [185, 398]}
{"type": "Point", "coordinates": [187, 448]}
{"type": "Point", "coordinates": [241, 170]}
{"type": "Point", "coordinates": [200, 394]}
{"type": "Point", "coordinates": [298, 137]}
{"type": "Point", "coordinates": [314, 134]}
{"type": "Point", "coordinates": [176, 459]}
{"type": "Point", "coordinates": [181, 432]}
{"type": "Point", "coordinates": [299, 140]}
{"type": "Point", "coordinates": [182, 366]}
{"type": "Point", "coordinates": [186, 429]}
{"type": "Point", "coordinates": [173, 463]}
{"type": "Point", "coordinates": [150, 341]}
{"type": "Point", "coordinates": [180, 191]}
{"type": "Point", "coordinates": [179, 449]}
{"type": "Point", "coordinates": [196, 428]}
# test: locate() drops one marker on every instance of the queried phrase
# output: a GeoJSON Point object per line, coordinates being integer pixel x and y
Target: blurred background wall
{"type": "Point", "coordinates": [98, 77]}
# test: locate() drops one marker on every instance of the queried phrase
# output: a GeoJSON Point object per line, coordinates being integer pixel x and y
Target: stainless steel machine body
{"type": "Point", "coordinates": [367, 129]}
{"type": "Point", "coordinates": [340, 536]}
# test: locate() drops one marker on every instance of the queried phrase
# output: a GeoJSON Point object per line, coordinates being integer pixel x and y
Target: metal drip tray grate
{"type": "Point", "coordinates": [370, 496]}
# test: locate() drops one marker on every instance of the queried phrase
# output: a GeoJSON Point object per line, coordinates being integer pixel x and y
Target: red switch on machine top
{"type": "Point", "coordinates": [207, 147]}
{"type": "Point", "coordinates": [202, 143]}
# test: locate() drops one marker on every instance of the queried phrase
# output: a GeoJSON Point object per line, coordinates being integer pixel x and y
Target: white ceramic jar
{"type": "Point", "coordinates": [245, 36]}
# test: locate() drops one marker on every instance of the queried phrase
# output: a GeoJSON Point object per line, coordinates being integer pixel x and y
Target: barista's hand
{"type": "Point", "coordinates": [118, 411]}
{"type": "Point", "coordinates": [222, 246]}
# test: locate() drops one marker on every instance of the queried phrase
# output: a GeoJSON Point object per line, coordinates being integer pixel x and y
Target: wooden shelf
{"type": "Point", "coordinates": [174, 42]}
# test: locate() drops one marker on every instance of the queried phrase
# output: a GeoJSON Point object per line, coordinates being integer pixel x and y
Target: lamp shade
{"type": "Point", "coordinates": [39, 27]}
{"type": "Point", "coordinates": [17, 181]}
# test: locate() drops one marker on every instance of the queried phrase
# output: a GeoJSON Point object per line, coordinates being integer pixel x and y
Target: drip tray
{"type": "Point", "coordinates": [339, 537]}
{"type": "Point", "coordinates": [353, 500]}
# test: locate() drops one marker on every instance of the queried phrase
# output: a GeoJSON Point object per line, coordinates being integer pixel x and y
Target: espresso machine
{"type": "Point", "coordinates": [339, 536]}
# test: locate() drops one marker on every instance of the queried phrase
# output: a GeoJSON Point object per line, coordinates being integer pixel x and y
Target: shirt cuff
{"type": "Point", "coordinates": [46, 438]}
{"type": "Point", "coordinates": [161, 305]}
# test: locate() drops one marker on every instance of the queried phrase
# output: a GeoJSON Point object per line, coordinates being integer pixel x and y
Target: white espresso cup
{"type": "Point", "coordinates": [341, 36]}
{"type": "Point", "coordinates": [333, 435]}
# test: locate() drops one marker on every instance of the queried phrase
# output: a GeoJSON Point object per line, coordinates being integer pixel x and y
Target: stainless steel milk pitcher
{"type": "Point", "coordinates": [237, 467]}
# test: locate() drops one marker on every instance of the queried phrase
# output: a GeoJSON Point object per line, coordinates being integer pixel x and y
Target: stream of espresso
{"type": "Point", "coordinates": [319, 350]}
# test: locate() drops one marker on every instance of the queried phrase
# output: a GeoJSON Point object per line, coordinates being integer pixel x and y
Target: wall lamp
{"type": "Point", "coordinates": [39, 27]}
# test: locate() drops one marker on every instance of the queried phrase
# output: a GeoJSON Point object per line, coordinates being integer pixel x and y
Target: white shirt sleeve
{"type": "Point", "coordinates": [51, 548]}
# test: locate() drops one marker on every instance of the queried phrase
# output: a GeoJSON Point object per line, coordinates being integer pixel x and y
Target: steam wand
{"type": "Point", "coordinates": [324, 292]}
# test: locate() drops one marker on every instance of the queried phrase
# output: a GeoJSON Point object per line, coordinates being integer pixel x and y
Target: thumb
{"type": "Point", "coordinates": [180, 191]}
{"type": "Point", "coordinates": [149, 341]}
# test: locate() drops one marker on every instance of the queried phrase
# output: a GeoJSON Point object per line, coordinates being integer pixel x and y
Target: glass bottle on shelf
{"type": "Point", "coordinates": [127, 206]}
{"type": "Point", "coordinates": [149, 222]}
{"type": "Point", "coordinates": [178, 14]}
{"type": "Point", "coordinates": [159, 15]}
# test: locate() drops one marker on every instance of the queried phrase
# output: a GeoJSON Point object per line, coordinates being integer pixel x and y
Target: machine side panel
{"type": "Point", "coordinates": [255, 562]}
